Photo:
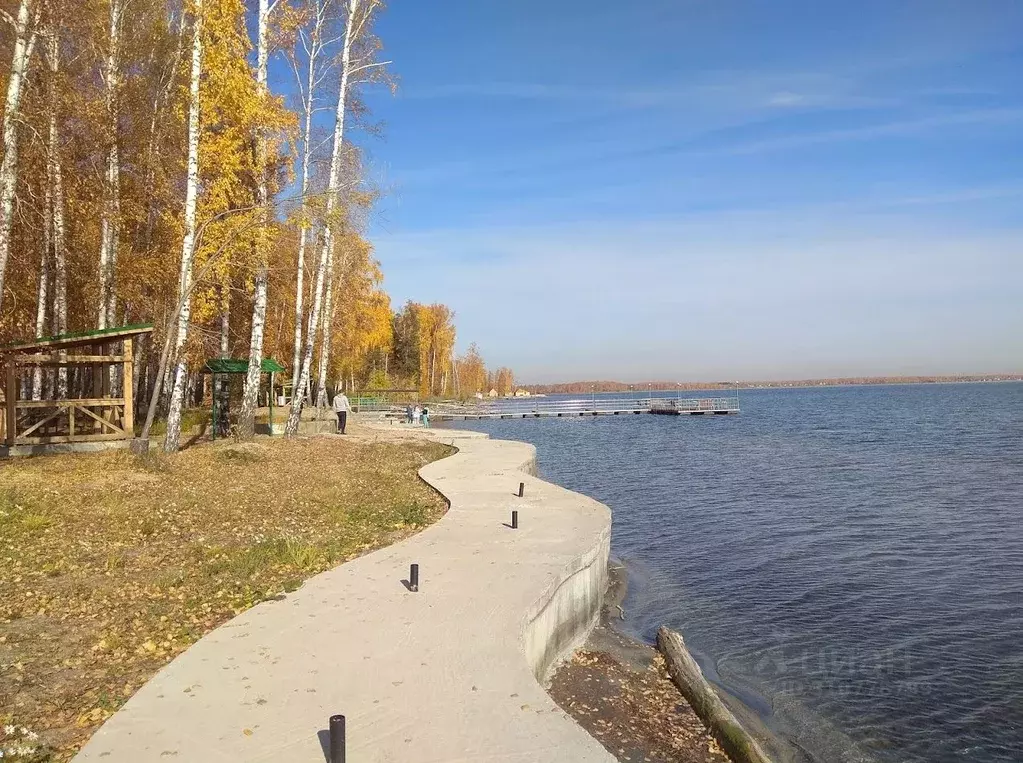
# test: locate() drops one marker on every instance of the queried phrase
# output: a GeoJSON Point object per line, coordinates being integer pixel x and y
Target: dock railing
{"type": "Point", "coordinates": [542, 407]}
{"type": "Point", "coordinates": [523, 406]}
{"type": "Point", "coordinates": [689, 404]}
{"type": "Point", "coordinates": [516, 407]}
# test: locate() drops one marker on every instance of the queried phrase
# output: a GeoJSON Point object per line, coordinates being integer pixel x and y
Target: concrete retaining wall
{"type": "Point", "coordinates": [563, 616]}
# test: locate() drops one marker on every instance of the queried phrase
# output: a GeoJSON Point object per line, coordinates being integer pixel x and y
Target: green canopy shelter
{"type": "Point", "coordinates": [215, 366]}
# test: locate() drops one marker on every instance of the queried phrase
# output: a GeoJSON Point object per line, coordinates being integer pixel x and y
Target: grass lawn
{"type": "Point", "coordinates": [111, 564]}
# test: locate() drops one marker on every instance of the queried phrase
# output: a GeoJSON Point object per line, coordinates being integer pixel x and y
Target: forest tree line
{"type": "Point", "coordinates": [151, 173]}
{"type": "Point", "coordinates": [658, 388]}
{"type": "Point", "coordinates": [419, 354]}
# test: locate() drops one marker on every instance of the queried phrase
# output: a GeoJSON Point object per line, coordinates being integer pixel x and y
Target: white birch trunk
{"type": "Point", "coordinates": [225, 323]}
{"type": "Point", "coordinates": [303, 236]}
{"type": "Point", "coordinates": [24, 41]}
{"type": "Point", "coordinates": [325, 342]}
{"type": "Point", "coordinates": [308, 106]}
{"type": "Point", "coordinates": [42, 295]}
{"type": "Point", "coordinates": [299, 391]}
{"type": "Point", "coordinates": [327, 246]}
{"type": "Point", "coordinates": [330, 305]}
{"type": "Point", "coordinates": [53, 226]}
{"type": "Point", "coordinates": [254, 374]}
{"type": "Point", "coordinates": [299, 306]}
{"type": "Point", "coordinates": [173, 437]}
{"type": "Point", "coordinates": [299, 296]}
{"type": "Point", "coordinates": [55, 181]}
{"type": "Point", "coordinates": [222, 390]}
{"type": "Point", "coordinates": [110, 221]}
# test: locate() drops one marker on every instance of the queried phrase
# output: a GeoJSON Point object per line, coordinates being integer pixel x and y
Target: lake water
{"type": "Point", "coordinates": [848, 561]}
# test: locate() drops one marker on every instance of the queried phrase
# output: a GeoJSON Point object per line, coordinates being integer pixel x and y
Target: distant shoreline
{"type": "Point", "coordinates": [661, 386]}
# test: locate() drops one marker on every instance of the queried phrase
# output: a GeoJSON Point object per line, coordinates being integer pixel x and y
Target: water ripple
{"type": "Point", "coordinates": [848, 561]}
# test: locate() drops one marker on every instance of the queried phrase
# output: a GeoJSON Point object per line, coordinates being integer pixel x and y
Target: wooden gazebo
{"type": "Point", "coordinates": [237, 367]}
{"type": "Point", "coordinates": [70, 388]}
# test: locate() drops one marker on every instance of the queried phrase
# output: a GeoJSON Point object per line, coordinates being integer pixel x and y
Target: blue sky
{"type": "Point", "coordinates": [706, 190]}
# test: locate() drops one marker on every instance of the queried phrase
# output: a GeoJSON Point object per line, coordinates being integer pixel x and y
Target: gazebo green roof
{"type": "Point", "coordinates": [73, 338]}
{"type": "Point", "coordinates": [239, 366]}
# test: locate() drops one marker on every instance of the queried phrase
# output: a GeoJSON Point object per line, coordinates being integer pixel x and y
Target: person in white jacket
{"type": "Point", "coordinates": [341, 408]}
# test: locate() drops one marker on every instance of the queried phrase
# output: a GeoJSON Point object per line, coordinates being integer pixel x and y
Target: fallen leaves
{"type": "Point", "coordinates": [638, 715]}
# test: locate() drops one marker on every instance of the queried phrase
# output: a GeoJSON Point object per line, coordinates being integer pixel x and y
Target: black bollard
{"type": "Point", "coordinates": [337, 739]}
{"type": "Point", "coordinates": [522, 489]}
{"type": "Point", "coordinates": [515, 520]}
{"type": "Point", "coordinates": [413, 577]}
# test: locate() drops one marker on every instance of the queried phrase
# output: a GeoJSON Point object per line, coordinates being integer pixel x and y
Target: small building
{"type": "Point", "coordinates": [492, 393]}
{"type": "Point", "coordinates": [71, 389]}
{"type": "Point", "coordinates": [521, 392]}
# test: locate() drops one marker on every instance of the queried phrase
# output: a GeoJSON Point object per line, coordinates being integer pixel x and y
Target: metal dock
{"type": "Point", "coordinates": [535, 408]}
{"type": "Point", "coordinates": [695, 406]}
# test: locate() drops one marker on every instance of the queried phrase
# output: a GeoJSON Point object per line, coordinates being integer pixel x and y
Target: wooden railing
{"type": "Point", "coordinates": [69, 421]}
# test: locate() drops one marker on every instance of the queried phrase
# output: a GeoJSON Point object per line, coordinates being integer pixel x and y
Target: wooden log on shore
{"type": "Point", "coordinates": [736, 741]}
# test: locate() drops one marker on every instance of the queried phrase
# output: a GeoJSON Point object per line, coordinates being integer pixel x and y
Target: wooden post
{"type": "Point", "coordinates": [128, 386]}
{"type": "Point", "coordinates": [271, 417]}
{"type": "Point", "coordinates": [107, 385]}
{"type": "Point", "coordinates": [71, 420]}
{"type": "Point", "coordinates": [11, 403]}
{"type": "Point", "coordinates": [213, 418]}
{"type": "Point", "coordinates": [97, 372]}
{"type": "Point", "coordinates": [98, 377]}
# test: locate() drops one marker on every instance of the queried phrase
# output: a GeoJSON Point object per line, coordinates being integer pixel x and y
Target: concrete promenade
{"type": "Point", "coordinates": [445, 674]}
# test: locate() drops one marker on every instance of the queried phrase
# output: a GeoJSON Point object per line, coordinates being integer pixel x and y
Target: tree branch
{"type": "Point", "coordinates": [368, 66]}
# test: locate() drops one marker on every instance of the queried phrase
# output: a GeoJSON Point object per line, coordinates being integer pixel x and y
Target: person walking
{"type": "Point", "coordinates": [408, 413]}
{"type": "Point", "coordinates": [417, 414]}
{"type": "Point", "coordinates": [426, 417]}
{"type": "Point", "coordinates": [341, 408]}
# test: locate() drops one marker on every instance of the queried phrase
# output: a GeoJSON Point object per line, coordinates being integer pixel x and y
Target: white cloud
{"type": "Point", "coordinates": [786, 99]}
{"type": "Point", "coordinates": [869, 132]}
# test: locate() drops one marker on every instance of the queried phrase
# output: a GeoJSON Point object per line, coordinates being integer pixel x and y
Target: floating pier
{"type": "Point", "coordinates": [519, 408]}
{"type": "Point", "coordinates": [695, 406]}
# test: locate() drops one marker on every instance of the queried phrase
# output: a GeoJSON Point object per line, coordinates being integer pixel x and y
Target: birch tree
{"type": "Point", "coordinates": [55, 199]}
{"type": "Point", "coordinates": [42, 294]}
{"type": "Point", "coordinates": [352, 28]}
{"type": "Point", "coordinates": [266, 157]}
{"type": "Point", "coordinates": [359, 15]}
{"type": "Point", "coordinates": [231, 208]}
{"type": "Point", "coordinates": [328, 323]}
{"type": "Point", "coordinates": [172, 439]}
{"type": "Point", "coordinates": [24, 28]}
{"type": "Point", "coordinates": [254, 372]}
{"type": "Point", "coordinates": [110, 222]}
{"type": "Point", "coordinates": [308, 83]}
